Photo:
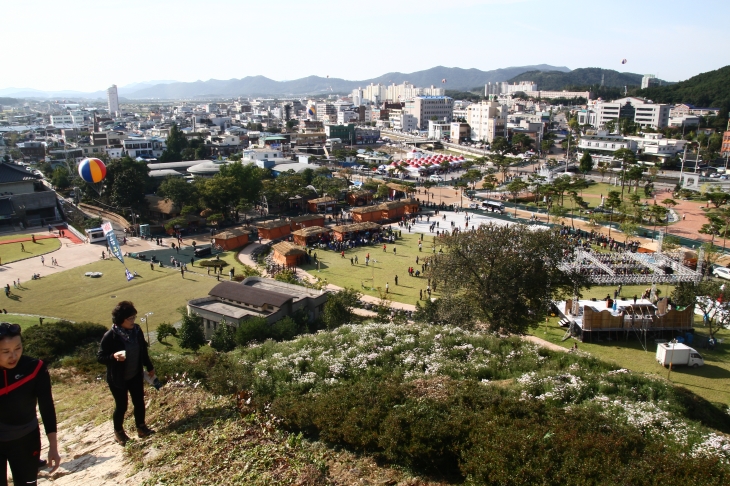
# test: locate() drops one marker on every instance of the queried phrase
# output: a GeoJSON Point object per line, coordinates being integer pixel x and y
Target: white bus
{"type": "Point", "coordinates": [493, 206]}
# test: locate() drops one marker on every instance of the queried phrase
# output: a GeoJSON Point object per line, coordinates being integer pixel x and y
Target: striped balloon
{"type": "Point", "coordinates": [92, 170]}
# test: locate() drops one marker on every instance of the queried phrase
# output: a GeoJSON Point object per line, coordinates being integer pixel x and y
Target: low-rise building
{"type": "Point", "coordinates": [272, 300]}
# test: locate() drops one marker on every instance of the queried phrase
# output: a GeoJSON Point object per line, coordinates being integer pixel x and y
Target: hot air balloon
{"type": "Point", "coordinates": [93, 171]}
{"type": "Point", "coordinates": [624, 61]}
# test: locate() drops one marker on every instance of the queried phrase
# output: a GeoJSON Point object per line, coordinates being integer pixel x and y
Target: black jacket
{"type": "Point", "coordinates": [20, 389]}
{"type": "Point", "coordinates": [112, 343]}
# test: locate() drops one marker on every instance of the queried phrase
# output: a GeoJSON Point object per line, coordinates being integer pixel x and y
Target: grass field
{"type": "Point", "coordinates": [71, 295]}
{"type": "Point", "coordinates": [711, 381]}
{"type": "Point", "coordinates": [11, 252]}
{"type": "Point", "coordinates": [24, 321]}
{"type": "Point", "coordinates": [384, 267]}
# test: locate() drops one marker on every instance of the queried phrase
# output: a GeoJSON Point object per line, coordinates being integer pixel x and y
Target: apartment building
{"type": "Point", "coordinates": [643, 113]}
{"type": "Point", "coordinates": [649, 81]}
{"type": "Point", "coordinates": [725, 150]}
{"type": "Point", "coordinates": [426, 108]}
{"type": "Point", "coordinates": [487, 119]}
{"type": "Point", "coordinates": [112, 97]}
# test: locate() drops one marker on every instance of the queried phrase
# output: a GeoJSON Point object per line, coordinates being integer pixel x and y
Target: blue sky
{"type": "Point", "coordinates": [80, 45]}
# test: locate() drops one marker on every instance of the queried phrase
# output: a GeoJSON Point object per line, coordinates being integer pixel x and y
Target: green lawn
{"type": "Point", "coordinates": [711, 381]}
{"type": "Point", "coordinates": [11, 252]}
{"type": "Point", "coordinates": [627, 291]}
{"type": "Point", "coordinates": [71, 295]}
{"type": "Point", "coordinates": [14, 237]}
{"type": "Point", "coordinates": [383, 268]}
{"type": "Point", "coordinates": [24, 321]}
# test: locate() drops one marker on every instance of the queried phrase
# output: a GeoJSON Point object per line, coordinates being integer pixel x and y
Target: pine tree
{"type": "Point", "coordinates": [191, 335]}
{"type": "Point", "coordinates": [224, 338]}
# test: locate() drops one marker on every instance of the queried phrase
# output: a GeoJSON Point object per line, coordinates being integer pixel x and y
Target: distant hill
{"type": "Point", "coordinates": [583, 77]}
{"type": "Point", "coordinates": [9, 101]}
{"type": "Point", "coordinates": [710, 89]}
{"type": "Point", "coordinates": [456, 79]}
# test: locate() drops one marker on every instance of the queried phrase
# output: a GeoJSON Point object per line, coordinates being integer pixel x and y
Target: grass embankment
{"type": "Point", "coordinates": [72, 295]}
{"type": "Point", "coordinates": [383, 267]}
{"type": "Point", "coordinates": [12, 252]}
{"type": "Point", "coordinates": [25, 321]}
{"type": "Point", "coordinates": [453, 406]}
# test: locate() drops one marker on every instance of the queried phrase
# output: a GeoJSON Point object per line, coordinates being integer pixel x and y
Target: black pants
{"type": "Point", "coordinates": [23, 455]}
{"type": "Point", "coordinates": [135, 387]}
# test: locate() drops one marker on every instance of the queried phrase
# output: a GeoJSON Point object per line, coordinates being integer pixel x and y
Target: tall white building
{"type": "Point", "coordinates": [648, 81]}
{"type": "Point", "coordinates": [487, 120]}
{"type": "Point", "coordinates": [426, 108]}
{"type": "Point", "coordinates": [112, 99]}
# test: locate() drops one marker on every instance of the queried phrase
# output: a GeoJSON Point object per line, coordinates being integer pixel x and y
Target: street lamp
{"type": "Point", "coordinates": [146, 320]}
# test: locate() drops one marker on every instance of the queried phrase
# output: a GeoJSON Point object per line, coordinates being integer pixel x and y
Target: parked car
{"type": "Point", "coordinates": [721, 272]}
{"type": "Point", "coordinates": [436, 178]}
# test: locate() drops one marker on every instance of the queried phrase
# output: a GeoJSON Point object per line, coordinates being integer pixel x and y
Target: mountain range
{"type": "Point", "coordinates": [456, 78]}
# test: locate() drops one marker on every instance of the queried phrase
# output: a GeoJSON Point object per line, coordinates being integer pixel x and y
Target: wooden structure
{"type": "Point", "coordinates": [385, 211]}
{"type": "Point", "coordinates": [272, 230]}
{"type": "Point", "coordinates": [160, 209]}
{"type": "Point", "coordinates": [232, 238]}
{"type": "Point", "coordinates": [397, 191]}
{"type": "Point", "coordinates": [288, 254]}
{"type": "Point", "coordinates": [351, 231]}
{"type": "Point", "coordinates": [359, 197]}
{"type": "Point", "coordinates": [306, 221]}
{"type": "Point", "coordinates": [321, 204]}
{"type": "Point", "coordinates": [310, 235]}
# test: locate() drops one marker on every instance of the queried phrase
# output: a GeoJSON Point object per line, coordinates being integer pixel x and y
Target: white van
{"type": "Point", "coordinates": [435, 178]}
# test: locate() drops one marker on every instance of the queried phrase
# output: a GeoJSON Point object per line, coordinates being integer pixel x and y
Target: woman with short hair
{"type": "Point", "coordinates": [123, 350]}
{"type": "Point", "coordinates": [24, 382]}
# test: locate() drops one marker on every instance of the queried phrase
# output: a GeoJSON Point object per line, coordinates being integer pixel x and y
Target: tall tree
{"type": "Point", "coordinates": [505, 274]}
{"type": "Point", "coordinates": [179, 191]}
{"type": "Point", "coordinates": [586, 164]}
{"type": "Point", "coordinates": [175, 144]}
{"type": "Point", "coordinates": [191, 335]}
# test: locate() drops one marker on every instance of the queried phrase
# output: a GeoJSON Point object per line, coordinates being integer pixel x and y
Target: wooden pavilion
{"type": "Point", "coordinates": [385, 211]}
{"type": "Point", "coordinates": [350, 231]}
{"type": "Point", "coordinates": [310, 235]}
{"type": "Point", "coordinates": [299, 222]}
{"type": "Point", "coordinates": [232, 238]}
{"type": "Point", "coordinates": [271, 230]}
{"type": "Point", "coordinates": [288, 254]}
{"type": "Point", "coordinates": [322, 204]}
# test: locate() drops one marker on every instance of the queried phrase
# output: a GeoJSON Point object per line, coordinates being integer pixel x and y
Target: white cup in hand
{"type": "Point", "coordinates": [120, 355]}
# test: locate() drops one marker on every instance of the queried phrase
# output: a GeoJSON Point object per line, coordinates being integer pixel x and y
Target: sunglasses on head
{"type": "Point", "coordinates": [7, 329]}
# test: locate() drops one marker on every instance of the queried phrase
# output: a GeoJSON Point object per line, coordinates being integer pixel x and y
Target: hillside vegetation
{"type": "Point", "coordinates": [583, 77]}
{"type": "Point", "coordinates": [710, 89]}
{"type": "Point", "coordinates": [441, 402]}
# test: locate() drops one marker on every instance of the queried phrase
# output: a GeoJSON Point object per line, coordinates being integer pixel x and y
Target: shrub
{"type": "Point", "coordinates": [283, 329]}
{"type": "Point", "coordinates": [165, 330]}
{"type": "Point", "coordinates": [212, 263]}
{"type": "Point", "coordinates": [338, 309]}
{"type": "Point", "coordinates": [51, 341]}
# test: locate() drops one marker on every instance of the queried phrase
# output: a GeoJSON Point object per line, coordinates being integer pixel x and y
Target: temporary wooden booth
{"type": "Point", "coordinates": [385, 211]}
{"type": "Point", "coordinates": [232, 238]}
{"type": "Point", "coordinates": [359, 197]}
{"type": "Point", "coordinates": [271, 230]}
{"type": "Point", "coordinates": [322, 204]}
{"type": "Point", "coordinates": [288, 254]}
{"type": "Point", "coordinates": [306, 221]}
{"type": "Point", "coordinates": [351, 231]}
{"type": "Point", "coordinates": [310, 235]}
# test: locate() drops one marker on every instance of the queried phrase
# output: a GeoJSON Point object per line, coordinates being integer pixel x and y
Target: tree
{"type": "Point", "coordinates": [486, 269]}
{"type": "Point", "coordinates": [515, 187]}
{"type": "Point", "coordinates": [629, 230]}
{"type": "Point", "coordinates": [60, 178]}
{"type": "Point", "coordinates": [612, 201]}
{"type": "Point", "coordinates": [627, 157]}
{"type": "Point", "coordinates": [224, 337]}
{"type": "Point", "coordinates": [179, 191]}
{"type": "Point", "coordinates": [338, 309]}
{"type": "Point", "coordinates": [635, 173]}
{"type": "Point", "coordinates": [165, 330]}
{"type": "Point", "coordinates": [710, 297]}
{"type": "Point", "coordinates": [191, 335]}
{"type": "Point", "coordinates": [602, 169]}
{"type": "Point", "coordinates": [175, 144]}
{"type": "Point", "coordinates": [253, 329]}
{"type": "Point", "coordinates": [586, 164]}
{"type": "Point", "coordinates": [501, 145]}
{"type": "Point", "coordinates": [521, 142]}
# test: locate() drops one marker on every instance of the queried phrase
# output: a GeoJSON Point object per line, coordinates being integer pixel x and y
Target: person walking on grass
{"type": "Point", "coordinates": [26, 384]}
{"type": "Point", "coordinates": [43, 260]}
{"type": "Point", "coordinates": [123, 350]}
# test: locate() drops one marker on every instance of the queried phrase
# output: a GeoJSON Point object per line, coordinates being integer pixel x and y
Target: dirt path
{"type": "Point", "coordinates": [544, 344]}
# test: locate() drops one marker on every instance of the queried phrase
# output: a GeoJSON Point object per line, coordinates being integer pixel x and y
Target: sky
{"type": "Point", "coordinates": [88, 46]}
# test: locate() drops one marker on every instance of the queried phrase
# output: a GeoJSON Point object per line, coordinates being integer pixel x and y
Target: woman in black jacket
{"type": "Point", "coordinates": [24, 381]}
{"type": "Point", "coordinates": [123, 350]}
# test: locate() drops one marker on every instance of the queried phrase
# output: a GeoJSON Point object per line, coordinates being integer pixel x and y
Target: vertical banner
{"type": "Point", "coordinates": [111, 239]}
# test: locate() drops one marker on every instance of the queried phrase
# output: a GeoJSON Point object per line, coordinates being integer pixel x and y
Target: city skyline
{"type": "Point", "coordinates": [103, 44]}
